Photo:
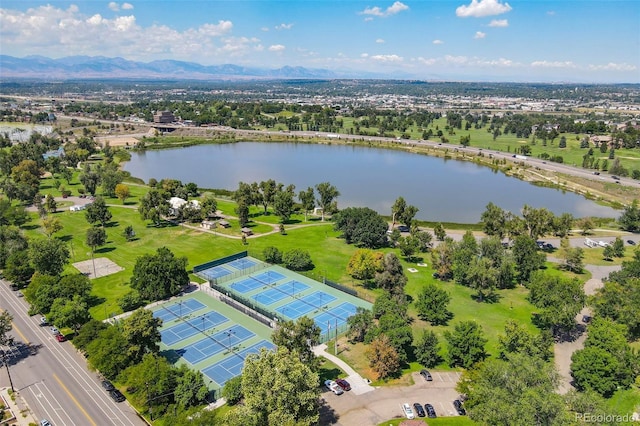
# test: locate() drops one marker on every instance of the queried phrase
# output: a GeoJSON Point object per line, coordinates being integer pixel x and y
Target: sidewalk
{"type": "Point", "coordinates": [359, 385]}
{"type": "Point", "coordinates": [20, 412]}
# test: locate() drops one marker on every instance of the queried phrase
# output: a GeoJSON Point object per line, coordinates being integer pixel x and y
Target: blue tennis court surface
{"type": "Point", "coordinates": [269, 277]}
{"type": "Point", "coordinates": [215, 272]}
{"type": "Point", "coordinates": [242, 263]}
{"type": "Point", "coordinates": [306, 304]}
{"type": "Point", "coordinates": [246, 285]}
{"type": "Point", "coordinates": [178, 309]}
{"type": "Point", "coordinates": [279, 292]}
{"type": "Point", "coordinates": [232, 366]}
{"type": "Point", "coordinates": [191, 327]}
{"type": "Point", "coordinates": [211, 345]}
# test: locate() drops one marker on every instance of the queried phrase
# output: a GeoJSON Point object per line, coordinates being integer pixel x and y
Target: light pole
{"type": "Point", "coordinates": [203, 318]}
{"type": "Point", "coordinates": [229, 334]}
{"type": "Point", "coordinates": [6, 364]}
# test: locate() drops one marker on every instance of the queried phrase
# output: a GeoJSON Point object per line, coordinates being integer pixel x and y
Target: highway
{"type": "Point", "coordinates": [52, 377]}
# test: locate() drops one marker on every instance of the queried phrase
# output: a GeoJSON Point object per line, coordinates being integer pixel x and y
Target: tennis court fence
{"type": "Point", "coordinates": [331, 334]}
{"type": "Point", "coordinates": [246, 305]}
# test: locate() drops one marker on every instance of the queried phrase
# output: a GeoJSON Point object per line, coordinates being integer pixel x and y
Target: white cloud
{"type": "Point", "coordinates": [387, 58]}
{"type": "Point", "coordinates": [613, 67]}
{"type": "Point", "coordinates": [480, 8]}
{"type": "Point", "coordinates": [127, 6]}
{"type": "Point", "coordinates": [114, 6]}
{"type": "Point", "coordinates": [215, 30]}
{"type": "Point", "coordinates": [436, 41]}
{"type": "Point", "coordinates": [499, 23]}
{"type": "Point", "coordinates": [265, 29]}
{"type": "Point", "coordinates": [379, 40]}
{"type": "Point", "coordinates": [276, 48]}
{"type": "Point", "coordinates": [553, 64]}
{"type": "Point", "coordinates": [479, 35]}
{"type": "Point", "coordinates": [395, 8]}
{"type": "Point", "coordinates": [283, 27]}
{"type": "Point", "coordinates": [428, 61]}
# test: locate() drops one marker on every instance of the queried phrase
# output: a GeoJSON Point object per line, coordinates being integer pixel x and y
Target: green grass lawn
{"type": "Point", "coordinates": [439, 421]}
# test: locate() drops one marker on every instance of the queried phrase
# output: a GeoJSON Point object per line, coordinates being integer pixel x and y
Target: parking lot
{"type": "Point", "coordinates": [385, 402]}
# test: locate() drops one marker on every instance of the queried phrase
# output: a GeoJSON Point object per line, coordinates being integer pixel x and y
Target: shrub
{"type": "Point", "coordinates": [272, 255]}
{"type": "Point", "coordinates": [297, 260]}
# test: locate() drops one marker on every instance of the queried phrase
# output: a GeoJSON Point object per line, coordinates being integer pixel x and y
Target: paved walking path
{"type": "Point", "coordinates": [358, 384]}
{"type": "Point", "coordinates": [18, 408]}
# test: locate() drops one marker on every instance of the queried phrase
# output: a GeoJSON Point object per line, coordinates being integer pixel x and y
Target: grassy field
{"type": "Point", "coordinates": [440, 421]}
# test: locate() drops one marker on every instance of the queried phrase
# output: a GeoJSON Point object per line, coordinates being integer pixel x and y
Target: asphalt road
{"type": "Point", "coordinates": [53, 378]}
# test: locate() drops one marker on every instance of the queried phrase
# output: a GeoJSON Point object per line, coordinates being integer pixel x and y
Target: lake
{"type": "Point", "coordinates": [443, 190]}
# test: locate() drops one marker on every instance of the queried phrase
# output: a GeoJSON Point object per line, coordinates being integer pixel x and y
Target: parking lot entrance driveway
{"type": "Point", "coordinates": [385, 402]}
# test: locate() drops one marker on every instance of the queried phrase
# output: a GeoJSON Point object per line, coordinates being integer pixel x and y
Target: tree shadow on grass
{"type": "Point", "coordinates": [105, 250]}
{"type": "Point", "coordinates": [486, 298]}
{"type": "Point", "coordinates": [30, 227]}
{"type": "Point", "coordinates": [328, 415]}
{"type": "Point", "coordinates": [328, 373]}
{"type": "Point", "coordinates": [65, 238]}
{"type": "Point", "coordinates": [113, 224]}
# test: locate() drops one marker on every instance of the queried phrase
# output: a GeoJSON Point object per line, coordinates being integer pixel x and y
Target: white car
{"type": "Point", "coordinates": [408, 411]}
{"type": "Point", "coordinates": [333, 387]}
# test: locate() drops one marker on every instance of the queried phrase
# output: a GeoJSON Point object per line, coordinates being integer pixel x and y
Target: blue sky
{"type": "Point", "coordinates": [470, 40]}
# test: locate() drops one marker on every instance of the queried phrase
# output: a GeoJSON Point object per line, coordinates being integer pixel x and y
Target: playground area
{"type": "Point", "coordinates": [209, 336]}
{"type": "Point", "coordinates": [281, 294]}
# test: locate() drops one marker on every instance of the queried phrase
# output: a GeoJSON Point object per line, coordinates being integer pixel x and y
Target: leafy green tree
{"type": "Point", "coordinates": [158, 276]}
{"type": "Point", "coordinates": [359, 324]}
{"type": "Point", "coordinates": [154, 205]}
{"type": "Point", "coordinates": [427, 349]}
{"type": "Point", "coordinates": [407, 214]}
{"type": "Point", "coordinates": [526, 256]}
{"type": "Point", "coordinates": [299, 337]}
{"type": "Point", "coordinates": [26, 176]}
{"type": "Point", "coordinates": [272, 255]}
{"type": "Point", "coordinates": [48, 256]}
{"type": "Point", "coordinates": [398, 331]}
{"type": "Point", "coordinates": [586, 225]}
{"type": "Point", "coordinates": [607, 253]}
{"type": "Point", "coordinates": [308, 200]}
{"type": "Point", "coordinates": [128, 232]}
{"type": "Point", "coordinates": [408, 246]}
{"type": "Point", "coordinates": [573, 256]}
{"type": "Point", "coordinates": [98, 212]}
{"type": "Point", "coordinates": [537, 221]}
{"type": "Point", "coordinates": [96, 237]}
{"type": "Point", "coordinates": [562, 224]}
{"type": "Point", "coordinates": [466, 344]}
{"type": "Point", "coordinates": [424, 240]}
{"type": "Point", "coordinates": [50, 204]}
{"type": "Point", "coordinates": [88, 333]}
{"type": "Point", "coordinates": [242, 210]}
{"type": "Point", "coordinates": [232, 390]}
{"type": "Point", "coordinates": [558, 299]}
{"type": "Point", "coordinates": [464, 253]}
{"type": "Point", "coordinates": [51, 225]}
{"type": "Point", "coordinates": [268, 190]}
{"type": "Point", "coordinates": [283, 203]}
{"type": "Point", "coordinates": [122, 192]}
{"type": "Point", "coordinates": [388, 303]}
{"type": "Point", "coordinates": [516, 339]}
{"type": "Point", "coordinates": [432, 303]}
{"type": "Point", "coordinates": [392, 278]}
{"type": "Point", "coordinates": [494, 220]}
{"type": "Point", "coordinates": [518, 391]}
{"type": "Point", "coordinates": [442, 258]}
{"type": "Point", "coordinates": [327, 193]}
{"type": "Point", "coordinates": [110, 178]}
{"type": "Point", "coordinates": [142, 331]}
{"type": "Point", "coordinates": [72, 313]}
{"type": "Point", "coordinates": [209, 205]}
{"type": "Point", "coordinates": [18, 268]}
{"type": "Point", "coordinates": [190, 389]}
{"type": "Point", "coordinates": [296, 399]}
{"type": "Point", "coordinates": [619, 300]}
{"type": "Point", "coordinates": [108, 353]}
{"type": "Point", "coordinates": [483, 277]}
{"type": "Point", "coordinates": [439, 232]}
{"type": "Point", "coordinates": [364, 264]}
{"type": "Point", "coordinates": [90, 180]}
{"type": "Point", "coordinates": [396, 210]}
{"type": "Point", "coordinates": [629, 220]}
{"type": "Point", "coordinates": [297, 260]}
{"type": "Point", "coordinates": [153, 381]}
{"type": "Point", "coordinates": [11, 240]}
{"type": "Point", "coordinates": [361, 226]}
{"type": "Point", "coordinates": [383, 358]}
{"type": "Point", "coordinates": [618, 247]}
{"type": "Point", "coordinates": [6, 324]}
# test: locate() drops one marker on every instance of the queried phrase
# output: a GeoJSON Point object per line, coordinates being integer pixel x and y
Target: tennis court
{"type": "Point", "coordinates": [279, 292]}
{"type": "Point", "coordinates": [178, 309]}
{"type": "Point", "coordinates": [216, 272]}
{"type": "Point", "coordinates": [216, 343]}
{"type": "Point", "coordinates": [338, 316]}
{"type": "Point", "coordinates": [312, 302]}
{"type": "Point", "coordinates": [191, 327]}
{"type": "Point", "coordinates": [231, 367]}
{"type": "Point", "coordinates": [242, 263]}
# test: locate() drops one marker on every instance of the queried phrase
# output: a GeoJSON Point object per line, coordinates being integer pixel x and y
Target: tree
{"type": "Point", "coordinates": [573, 256]}
{"type": "Point", "coordinates": [427, 349]}
{"type": "Point", "coordinates": [268, 190]}
{"type": "Point", "coordinates": [442, 259]}
{"type": "Point", "coordinates": [526, 257]}
{"type": "Point", "coordinates": [18, 268]}
{"type": "Point", "coordinates": [295, 402]}
{"type": "Point", "coordinates": [396, 327]}
{"type": "Point", "coordinates": [67, 175]}
{"type": "Point", "coordinates": [297, 260]}
{"type": "Point", "coordinates": [559, 300]}
{"type": "Point", "coordinates": [72, 313]}
{"type": "Point", "coordinates": [383, 358]}
{"type": "Point", "coordinates": [618, 247]}
{"type": "Point", "coordinates": [26, 176]}
{"type": "Point", "coordinates": [141, 331]}
{"type": "Point", "coordinates": [209, 206]}
{"type": "Point", "coordinates": [327, 193]}
{"type": "Point", "coordinates": [466, 344]}
{"type": "Point", "coordinates": [407, 214]}
{"type": "Point", "coordinates": [50, 204]}
{"type": "Point", "coordinates": [518, 391]}
{"type": "Point", "coordinates": [629, 220]}
{"type": "Point", "coordinates": [299, 337]}
{"type": "Point", "coordinates": [6, 324]}
{"type": "Point", "coordinates": [242, 210]}
{"type": "Point", "coordinates": [98, 212]}
{"type": "Point", "coordinates": [272, 255]}
{"type": "Point", "coordinates": [11, 240]}
{"type": "Point", "coordinates": [432, 303]}
{"type": "Point", "coordinates": [618, 300]}
{"type": "Point", "coordinates": [359, 324]}
{"type": "Point", "coordinates": [464, 253]}
{"type": "Point", "coordinates": [88, 333]}
{"type": "Point", "coordinates": [408, 246]}
{"type": "Point", "coordinates": [283, 203]}
{"type": "Point", "coordinates": [516, 339]}
{"type": "Point", "coordinates": [494, 221]}
{"type": "Point", "coordinates": [128, 232]}
{"type": "Point", "coordinates": [90, 180]}
{"type": "Point", "coordinates": [483, 277]}
{"type": "Point", "coordinates": [153, 382]}
{"type": "Point", "coordinates": [361, 226]}
{"type": "Point", "coordinates": [110, 178]}
{"type": "Point", "coordinates": [308, 200]}
{"type": "Point", "coordinates": [108, 353]}
{"type": "Point", "coordinates": [154, 205]}
{"type": "Point", "coordinates": [537, 221]}
{"type": "Point", "coordinates": [96, 237]}
{"type": "Point", "coordinates": [232, 390]}
{"type": "Point", "coordinates": [364, 264]}
{"type": "Point", "coordinates": [439, 232]}
{"type": "Point", "coordinates": [51, 225]}
{"type": "Point", "coordinates": [562, 224]}
{"type": "Point", "coordinates": [392, 278]}
{"type": "Point", "coordinates": [396, 210]}
{"type": "Point", "coordinates": [586, 225]}
{"type": "Point", "coordinates": [122, 192]}
{"type": "Point", "coordinates": [48, 256]}
{"type": "Point", "coordinates": [158, 276]}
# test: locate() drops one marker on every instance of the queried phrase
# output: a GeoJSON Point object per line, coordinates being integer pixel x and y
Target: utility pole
{"type": "Point", "coordinates": [4, 361]}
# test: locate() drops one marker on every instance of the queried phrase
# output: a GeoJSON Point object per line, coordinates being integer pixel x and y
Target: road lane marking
{"type": "Point", "coordinates": [73, 398]}
{"type": "Point", "coordinates": [24, 338]}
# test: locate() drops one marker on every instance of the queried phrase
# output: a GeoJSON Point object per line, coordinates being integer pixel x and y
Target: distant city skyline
{"type": "Point", "coordinates": [465, 40]}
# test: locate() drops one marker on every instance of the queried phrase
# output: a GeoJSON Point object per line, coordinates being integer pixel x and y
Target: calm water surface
{"type": "Point", "coordinates": [447, 191]}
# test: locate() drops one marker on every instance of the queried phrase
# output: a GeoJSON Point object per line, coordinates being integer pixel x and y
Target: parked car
{"type": "Point", "coordinates": [333, 387]}
{"type": "Point", "coordinates": [43, 321]}
{"type": "Point", "coordinates": [116, 395]}
{"type": "Point", "coordinates": [60, 337]}
{"type": "Point", "coordinates": [403, 228]}
{"type": "Point", "coordinates": [107, 385]}
{"type": "Point", "coordinates": [408, 412]}
{"type": "Point", "coordinates": [45, 422]}
{"type": "Point", "coordinates": [419, 410]}
{"type": "Point", "coordinates": [431, 412]}
{"type": "Point", "coordinates": [458, 406]}
{"type": "Point", "coordinates": [426, 375]}
{"type": "Point", "coordinates": [631, 242]}
{"type": "Point", "coordinates": [54, 331]}
{"type": "Point", "coordinates": [19, 294]}
{"type": "Point", "coordinates": [343, 384]}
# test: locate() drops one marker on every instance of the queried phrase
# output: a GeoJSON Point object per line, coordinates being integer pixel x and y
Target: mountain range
{"type": "Point", "coordinates": [94, 67]}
